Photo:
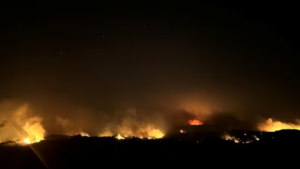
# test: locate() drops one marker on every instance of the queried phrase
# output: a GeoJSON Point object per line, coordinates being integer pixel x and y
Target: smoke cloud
{"type": "Point", "coordinates": [25, 122]}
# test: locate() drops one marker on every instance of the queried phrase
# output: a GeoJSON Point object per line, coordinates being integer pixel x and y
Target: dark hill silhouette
{"type": "Point", "coordinates": [94, 152]}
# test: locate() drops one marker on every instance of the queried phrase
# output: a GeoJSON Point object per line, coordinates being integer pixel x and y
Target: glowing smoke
{"type": "Point", "coordinates": [34, 129]}
{"type": "Point", "coordinates": [229, 137]}
{"type": "Point", "coordinates": [119, 137]}
{"type": "Point", "coordinates": [25, 124]}
{"type": "Point", "coordinates": [21, 125]}
{"type": "Point", "coordinates": [273, 125]}
{"type": "Point", "coordinates": [195, 122]}
{"type": "Point", "coordinates": [70, 129]}
{"type": "Point", "coordinates": [131, 128]}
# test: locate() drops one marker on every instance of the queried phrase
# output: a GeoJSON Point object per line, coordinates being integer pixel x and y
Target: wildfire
{"type": "Point", "coordinates": [229, 137]}
{"type": "Point", "coordinates": [146, 134]}
{"type": "Point", "coordinates": [155, 133]}
{"type": "Point", "coordinates": [119, 137]}
{"type": "Point", "coordinates": [83, 134]}
{"type": "Point", "coordinates": [195, 122]}
{"type": "Point", "coordinates": [106, 133]}
{"type": "Point", "coordinates": [26, 141]}
{"type": "Point", "coordinates": [271, 125]}
{"type": "Point", "coordinates": [145, 131]}
{"type": "Point", "coordinates": [34, 129]}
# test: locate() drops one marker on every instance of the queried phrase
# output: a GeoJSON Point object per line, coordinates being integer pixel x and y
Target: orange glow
{"type": "Point", "coordinates": [155, 133]}
{"type": "Point", "coordinates": [195, 122]}
{"type": "Point", "coordinates": [83, 134]}
{"type": "Point", "coordinates": [34, 130]}
{"type": "Point", "coordinates": [182, 131]}
{"type": "Point", "coordinates": [26, 141]}
{"type": "Point", "coordinates": [229, 137]}
{"type": "Point", "coordinates": [145, 131]}
{"type": "Point", "coordinates": [119, 137]}
{"type": "Point", "coordinates": [106, 133]}
{"type": "Point", "coordinates": [272, 125]}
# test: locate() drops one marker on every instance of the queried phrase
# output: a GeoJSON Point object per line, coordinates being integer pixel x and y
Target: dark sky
{"type": "Point", "coordinates": [98, 56]}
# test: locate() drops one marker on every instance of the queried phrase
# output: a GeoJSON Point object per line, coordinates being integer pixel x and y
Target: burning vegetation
{"type": "Point", "coordinates": [30, 128]}
{"type": "Point", "coordinates": [34, 130]}
{"type": "Point", "coordinates": [229, 137]}
{"type": "Point", "coordinates": [195, 122]}
{"type": "Point", "coordinates": [148, 132]}
{"type": "Point", "coordinates": [273, 125]}
{"type": "Point", "coordinates": [119, 137]}
{"type": "Point", "coordinates": [243, 138]}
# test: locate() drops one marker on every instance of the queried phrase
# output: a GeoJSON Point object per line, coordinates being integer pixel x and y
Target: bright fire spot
{"type": "Point", "coordinates": [26, 141]}
{"type": "Point", "coordinates": [144, 132]}
{"type": "Point", "coordinates": [119, 137]}
{"type": "Point", "coordinates": [182, 131]}
{"type": "Point", "coordinates": [34, 129]}
{"type": "Point", "coordinates": [229, 137]}
{"type": "Point", "coordinates": [271, 125]}
{"type": "Point", "coordinates": [155, 133]}
{"type": "Point", "coordinates": [256, 138]}
{"type": "Point", "coordinates": [83, 134]}
{"type": "Point", "coordinates": [195, 122]}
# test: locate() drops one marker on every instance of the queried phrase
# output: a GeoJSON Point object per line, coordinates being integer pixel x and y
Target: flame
{"type": "Point", "coordinates": [119, 137]}
{"type": "Point", "coordinates": [149, 133]}
{"type": "Point", "coordinates": [229, 137]}
{"type": "Point", "coordinates": [34, 130]}
{"type": "Point", "coordinates": [26, 141]}
{"type": "Point", "coordinates": [106, 133]}
{"type": "Point", "coordinates": [155, 133]}
{"type": "Point", "coordinates": [125, 130]}
{"type": "Point", "coordinates": [83, 134]}
{"type": "Point", "coordinates": [195, 122]}
{"type": "Point", "coordinates": [271, 125]}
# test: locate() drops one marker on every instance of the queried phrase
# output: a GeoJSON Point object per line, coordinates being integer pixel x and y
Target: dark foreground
{"type": "Point", "coordinates": [277, 150]}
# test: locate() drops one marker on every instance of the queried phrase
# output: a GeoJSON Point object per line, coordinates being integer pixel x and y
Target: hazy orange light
{"type": "Point", "coordinates": [195, 122]}
{"type": "Point", "coordinates": [272, 125]}
{"type": "Point", "coordinates": [182, 131]}
{"type": "Point", "coordinates": [26, 141]}
{"type": "Point", "coordinates": [229, 137]}
{"type": "Point", "coordinates": [119, 137]}
{"type": "Point", "coordinates": [34, 129]}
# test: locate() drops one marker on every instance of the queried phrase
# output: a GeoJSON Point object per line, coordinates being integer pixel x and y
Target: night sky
{"type": "Point", "coordinates": [91, 61]}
